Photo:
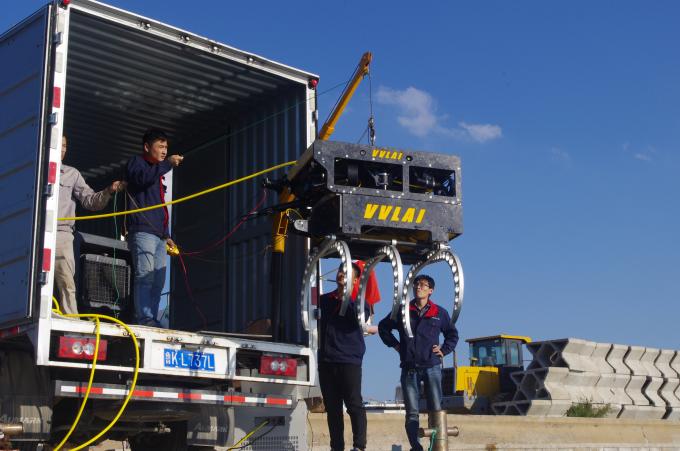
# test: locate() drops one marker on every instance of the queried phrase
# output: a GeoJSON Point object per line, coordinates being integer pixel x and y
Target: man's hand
{"type": "Point", "coordinates": [170, 242]}
{"type": "Point", "coordinates": [117, 186]}
{"type": "Point", "coordinates": [175, 160]}
{"type": "Point", "coordinates": [437, 351]}
{"type": "Point", "coordinates": [372, 330]}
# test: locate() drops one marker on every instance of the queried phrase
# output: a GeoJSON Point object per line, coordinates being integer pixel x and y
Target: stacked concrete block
{"type": "Point", "coordinates": [605, 393]}
{"type": "Point", "coordinates": [560, 373]}
{"type": "Point", "coordinates": [654, 382]}
{"type": "Point", "coordinates": [635, 382]}
{"type": "Point", "coordinates": [643, 386]}
{"type": "Point", "coordinates": [671, 382]}
{"type": "Point", "coordinates": [675, 366]}
{"type": "Point", "coordinates": [617, 381]}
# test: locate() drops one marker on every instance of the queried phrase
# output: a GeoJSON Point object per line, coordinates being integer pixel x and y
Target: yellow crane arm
{"type": "Point", "coordinates": [362, 69]}
{"type": "Point", "coordinates": [280, 225]}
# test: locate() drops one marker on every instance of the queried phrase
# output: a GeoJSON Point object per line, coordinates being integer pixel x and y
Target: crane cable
{"type": "Point", "coordinates": [370, 128]}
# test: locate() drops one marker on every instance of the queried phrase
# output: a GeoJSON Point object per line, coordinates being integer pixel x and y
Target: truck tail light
{"type": "Point", "coordinates": [47, 259]}
{"type": "Point", "coordinates": [278, 366]}
{"type": "Point", "coordinates": [80, 348]}
{"type": "Point", "coordinates": [52, 173]}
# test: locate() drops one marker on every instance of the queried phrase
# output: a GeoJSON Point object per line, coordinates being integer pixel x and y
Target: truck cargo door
{"type": "Point", "coordinates": [24, 51]}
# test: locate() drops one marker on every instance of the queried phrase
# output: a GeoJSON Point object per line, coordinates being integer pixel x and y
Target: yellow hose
{"type": "Point", "coordinates": [182, 199]}
{"type": "Point", "coordinates": [96, 317]}
{"type": "Point", "coordinates": [235, 445]}
{"type": "Point", "coordinates": [131, 390]}
{"type": "Point", "coordinates": [89, 387]}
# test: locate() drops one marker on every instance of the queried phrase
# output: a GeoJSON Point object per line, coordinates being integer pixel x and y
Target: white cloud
{"type": "Point", "coordinates": [647, 154]}
{"type": "Point", "coordinates": [482, 132]}
{"type": "Point", "coordinates": [417, 108]}
{"type": "Point", "coordinates": [418, 114]}
{"type": "Point", "coordinates": [561, 155]}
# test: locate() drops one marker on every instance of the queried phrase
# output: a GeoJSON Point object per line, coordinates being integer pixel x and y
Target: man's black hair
{"type": "Point", "coordinates": [355, 269]}
{"type": "Point", "coordinates": [428, 279]}
{"type": "Point", "coordinates": [152, 135]}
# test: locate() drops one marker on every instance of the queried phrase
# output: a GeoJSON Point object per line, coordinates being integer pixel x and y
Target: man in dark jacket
{"type": "Point", "coordinates": [148, 230]}
{"type": "Point", "coordinates": [341, 351]}
{"type": "Point", "coordinates": [421, 355]}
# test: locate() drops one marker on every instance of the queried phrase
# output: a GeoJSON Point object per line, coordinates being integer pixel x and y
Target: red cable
{"type": "Point", "coordinates": [185, 273]}
{"type": "Point", "coordinates": [231, 232]}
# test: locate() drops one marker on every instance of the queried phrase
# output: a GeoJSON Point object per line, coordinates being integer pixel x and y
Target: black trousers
{"type": "Point", "coordinates": [341, 382]}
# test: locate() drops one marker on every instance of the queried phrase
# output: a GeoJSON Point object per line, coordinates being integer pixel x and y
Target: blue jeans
{"type": "Point", "coordinates": [410, 385]}
{"type": "Point", "coordinates": [148, 259]}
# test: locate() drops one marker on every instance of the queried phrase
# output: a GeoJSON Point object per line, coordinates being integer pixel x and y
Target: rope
{"type": "Point", "coordinates": [113, 265]}
{"type": "Point", "coordinates": [182, 199]}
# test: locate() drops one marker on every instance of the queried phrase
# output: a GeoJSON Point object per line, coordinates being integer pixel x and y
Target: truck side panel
{"type": "Point", "coordinates": [21, 139]}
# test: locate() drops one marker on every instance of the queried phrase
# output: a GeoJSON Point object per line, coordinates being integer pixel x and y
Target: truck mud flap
{"type": "Point", "coordinates": [170, 394]}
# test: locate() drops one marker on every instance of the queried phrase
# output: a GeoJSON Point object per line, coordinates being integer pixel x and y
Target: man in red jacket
{"type": "Point", "coordinates": [421, 354]}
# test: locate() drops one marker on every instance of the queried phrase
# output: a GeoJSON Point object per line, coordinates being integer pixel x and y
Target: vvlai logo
{"type": "Point", "coordinates": [387, 154]}
{"type": "Point", "coordinates": [394, 214]}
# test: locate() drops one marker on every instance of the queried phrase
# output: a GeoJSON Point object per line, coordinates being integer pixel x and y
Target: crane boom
{"type": "Point", "coordinates": [361, 71]}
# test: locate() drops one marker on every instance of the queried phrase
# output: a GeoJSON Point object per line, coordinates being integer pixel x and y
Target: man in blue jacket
{"type": "Point", "coordinates": [341, 351]}
{"type": "Point", "coordinates": [421, 356]}
{"type": "Point", "coordinates": [148, 230]}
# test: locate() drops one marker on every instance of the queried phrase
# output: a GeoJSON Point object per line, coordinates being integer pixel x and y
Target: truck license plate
{"type": "Point", "coordinates": [190, 360]}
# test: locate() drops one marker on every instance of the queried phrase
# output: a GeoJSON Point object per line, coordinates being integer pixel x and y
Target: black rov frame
{"type": "Point", "coordinates": [378, 203]}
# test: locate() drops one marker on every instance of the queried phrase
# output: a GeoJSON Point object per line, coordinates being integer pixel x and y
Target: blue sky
{"type": "Point", "coordinates": [567, 120]}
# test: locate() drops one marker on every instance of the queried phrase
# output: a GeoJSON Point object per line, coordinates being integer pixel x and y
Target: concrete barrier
{"type": "Point", "coordinates": [615, 359]}
{"type": "Point", "coordinates": [636, 382]}
{"type": "Point", "coordinates": [644, 385]}
{"type": "Point", "coordinates": [671, 382]}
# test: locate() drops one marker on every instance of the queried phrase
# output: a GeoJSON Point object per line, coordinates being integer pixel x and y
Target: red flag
{"type": "Point", "coordinates": [372, 290]}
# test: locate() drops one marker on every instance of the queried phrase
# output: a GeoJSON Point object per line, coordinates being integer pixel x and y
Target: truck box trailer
{"type": "Point", "coordinates": [101, 76]}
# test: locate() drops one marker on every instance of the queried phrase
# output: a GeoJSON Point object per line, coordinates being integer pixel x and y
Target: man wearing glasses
{"type": "Point", "coordinates": [421, 356]}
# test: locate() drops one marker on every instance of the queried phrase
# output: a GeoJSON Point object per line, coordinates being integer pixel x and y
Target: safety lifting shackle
{"type": "Point", "coordinates": [329, 246]}
{"type": "Point", "coordinates": [393, 256]}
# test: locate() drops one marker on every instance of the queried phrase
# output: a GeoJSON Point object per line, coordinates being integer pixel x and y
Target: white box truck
{"type": "Point", "coordinates": [101, 76]}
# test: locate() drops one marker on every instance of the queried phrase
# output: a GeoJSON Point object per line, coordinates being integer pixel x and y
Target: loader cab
{"type": "Point", "coordinates": [498, 351]}
{"type": "Point", "coordinates": [503, 352]}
